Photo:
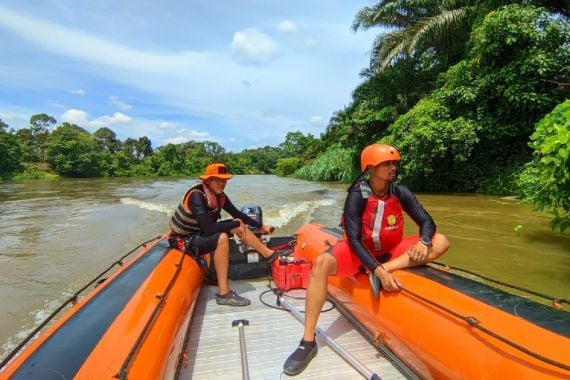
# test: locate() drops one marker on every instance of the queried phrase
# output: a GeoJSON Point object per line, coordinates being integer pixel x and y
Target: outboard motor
{"type": "Point", "coordinates": [254, 212]}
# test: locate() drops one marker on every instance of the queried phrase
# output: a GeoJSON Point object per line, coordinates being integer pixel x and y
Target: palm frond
{"type": "Point", "coordinates": [437, 28]}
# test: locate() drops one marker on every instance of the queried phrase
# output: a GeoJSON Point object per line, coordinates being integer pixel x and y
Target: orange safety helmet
{"type": "Point", "coordinates": [374, 154]}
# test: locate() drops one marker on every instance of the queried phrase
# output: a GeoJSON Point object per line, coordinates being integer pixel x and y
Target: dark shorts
{"type": "Point", "coordinates": [204, 244]}
{"type": "Point", "coordinates": [349, 265]}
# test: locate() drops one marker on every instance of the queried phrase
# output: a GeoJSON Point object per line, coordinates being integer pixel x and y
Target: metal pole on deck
{"type": "Point", "coordinates": [244, 366]}
{"type": "Point", "coordinates": [364, 371]}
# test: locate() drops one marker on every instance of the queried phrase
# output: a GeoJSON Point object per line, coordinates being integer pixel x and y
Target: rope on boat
{"type": "Point", "coordinates": [556, 301]}
{"type": "Point", "coordinates": [123, 372]}
{"type": "Point", "coordinates": [475, 323]}
{"type": "Point", "coordinates": [71, 300]}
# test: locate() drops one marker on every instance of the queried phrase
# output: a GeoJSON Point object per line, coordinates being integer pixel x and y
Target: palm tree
{"type": "Point", "coordinates": [434, 30]}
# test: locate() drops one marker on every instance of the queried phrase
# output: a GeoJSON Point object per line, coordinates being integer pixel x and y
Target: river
{"type": "Point", "coordinates": [57, 235]}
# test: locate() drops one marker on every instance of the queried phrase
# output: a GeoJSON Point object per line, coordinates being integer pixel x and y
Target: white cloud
{"type": "Point", "coordinates": [176, 140]}
{"type": "Point", "coordinates": [79, 92]}
{"type": "Point", "coordinates": [253, 46]}
{"type": "Point", "coordinates": [166, 126]}
{"type": "Point", "coordinates": [79, 44]}
{"type": "Point", "coordinates": [74, 116]}
{"type": "Point", "coordinates": [316, 120]}
{"type": "Point", "coordinates": [196, 80]}
{"type": "Point", "coordinates": [160, 132]}
{"type": "Point", "coordinates": [120, 104]}
{"type": "Point", "coordinates": [185, 135]}
{"type": "Point", "coordinates": [287, 26]}
{"type": "Point", "coordinates": [81, 118]}
{"type": "Point", "coordinates": [106, 121]}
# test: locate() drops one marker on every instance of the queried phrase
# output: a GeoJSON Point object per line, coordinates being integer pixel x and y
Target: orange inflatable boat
{"type": "Point", "coordinates": [442, 325]}
{"type": "Point", "coordinates": [132, 325]}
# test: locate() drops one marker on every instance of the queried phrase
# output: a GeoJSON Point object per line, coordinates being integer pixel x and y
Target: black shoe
{"type": "Point", "coordinates": [300, 358]}
{"type": "Point", "coordinates": [279, 253]}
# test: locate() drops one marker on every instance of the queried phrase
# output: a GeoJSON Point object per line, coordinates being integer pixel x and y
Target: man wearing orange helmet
{"type": "Point", "coordinates": [197, 219]}
{"type": "Point", "coordinates": [374, 225]}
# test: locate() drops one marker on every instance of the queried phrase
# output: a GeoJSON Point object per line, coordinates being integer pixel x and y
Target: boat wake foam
{"type": "Point", "coordinates": [278, 217]}
{"type": "Point", "coordinates": [148, 205]}
{"type": "Point", "coordinates": [286, 213]}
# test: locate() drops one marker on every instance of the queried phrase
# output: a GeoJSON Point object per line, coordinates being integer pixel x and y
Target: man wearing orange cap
{"type": "Point", "coordinates": [374, 225]}
{"type": "Point", "coordinates": [197, 217]}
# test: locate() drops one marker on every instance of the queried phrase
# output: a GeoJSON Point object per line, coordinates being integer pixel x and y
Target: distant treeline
{"type": "Point", "coordinates": [474, 94]}
{"type": "Point", "coordinates": [47, 150]}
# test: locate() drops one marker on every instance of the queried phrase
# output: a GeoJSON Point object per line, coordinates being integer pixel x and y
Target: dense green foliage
{"type": "Point", "coordinates": [460, 88]}
{"type": "Point", "coordinates": [434, 146]}
{"type": "Point", "coordinates": [546, 180]}
{"type": "Point", "coordinates": [288, 166]}
{"type": "Point", "coordinates": [336, 164]}
{"type": "Point", "coordinates": [10, 152]}
{"type": "Point", "coordinates": [475, 127]}
{"type": "Point", "coordinates": [67, 150]}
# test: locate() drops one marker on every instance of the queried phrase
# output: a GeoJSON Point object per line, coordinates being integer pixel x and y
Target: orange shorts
{"type": "Point", "coordinates": [348, 263]}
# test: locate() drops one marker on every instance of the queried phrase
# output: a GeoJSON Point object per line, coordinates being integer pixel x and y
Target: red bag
{"type": "Point", "coordinates": [291, 273]}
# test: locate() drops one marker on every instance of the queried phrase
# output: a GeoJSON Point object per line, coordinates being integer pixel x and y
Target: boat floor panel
{"type": "Point", "coordinates": [272, 334]}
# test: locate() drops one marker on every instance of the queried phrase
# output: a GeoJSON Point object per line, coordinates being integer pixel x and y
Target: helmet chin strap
{"type": "Point", "coordinates": [360, 176]}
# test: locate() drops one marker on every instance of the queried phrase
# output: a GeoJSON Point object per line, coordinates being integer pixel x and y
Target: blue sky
{"type": "Point", "coordinates": [240, 73]}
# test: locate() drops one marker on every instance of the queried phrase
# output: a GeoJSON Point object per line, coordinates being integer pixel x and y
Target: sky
{"type": "Point", "coordinates": [240, 73]}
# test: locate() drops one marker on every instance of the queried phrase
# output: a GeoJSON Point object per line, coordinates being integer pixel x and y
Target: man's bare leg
{"type": "Point", "coordinates": [324, 266]}
{"type": "Point", "coordinates": [221, 263]}
{"type": "Point", "coordinates": [254, 242]}
{"type": "Point", "coordinates": [225, 295]}
{"type": "Point", "coordinates": [439, 246]}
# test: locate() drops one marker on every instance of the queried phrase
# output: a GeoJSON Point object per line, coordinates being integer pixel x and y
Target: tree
{"type": "Point", "coordinates": [434, 146]}
{"type": "Point", "coordinates": [106, 140]}
{"type": "Point", "coordinates": [487, 105]}
{"type": "Point", "coordinates": [517, 70]}
{"type": "Point", "coordinates": [39, 129]}
{"type": "Point", "coordinates": [137, 150]}
{"type": "Point", "coordinates": [194, 156]}
{"type": "Point", "coordinates": [10, 151]}
{"type": "Point", "coordinates": [25, 141]}
{"type": "Point", "coordinates": [144, 147]}
{"type": "Point", "coordinates": [295, 144]}
{"type": "Point", "coordinates": [434, 29]}
{"type": "Point", "coordinates": [168, 161]}
{"type": "Point", "coordinates": [288, 166]}
{"type": "Point", "coordinates": [545, 181]}
{"type": "Point", "coordinates": [71, 152]}
{"type": "Point", "coordinates": [256, 161]}
{"type": "Point", "coordinates": [214, 150]}
{"type": "Point", "coordinates": [129, 148]}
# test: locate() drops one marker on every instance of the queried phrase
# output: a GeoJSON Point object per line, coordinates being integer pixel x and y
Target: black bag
{"type": "Point", "coordinates": [248, 264]}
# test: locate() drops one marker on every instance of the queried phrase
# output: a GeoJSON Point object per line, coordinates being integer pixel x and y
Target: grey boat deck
{"type": "Point", "coordinates": [214, 348]}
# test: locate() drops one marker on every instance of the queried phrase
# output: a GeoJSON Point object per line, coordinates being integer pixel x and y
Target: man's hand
{"type": "Point", "coordinates": [389, 282]}
{"type": "Point", "coordinates": [418, 252]}
{"type": "Point", "coordinates": [266, 229]}
{"type": "Point", "coordinates": [239, 231]}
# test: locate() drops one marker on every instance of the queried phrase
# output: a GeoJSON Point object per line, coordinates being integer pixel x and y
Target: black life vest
{"type": "Point", "coordinates": [183, 222]}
